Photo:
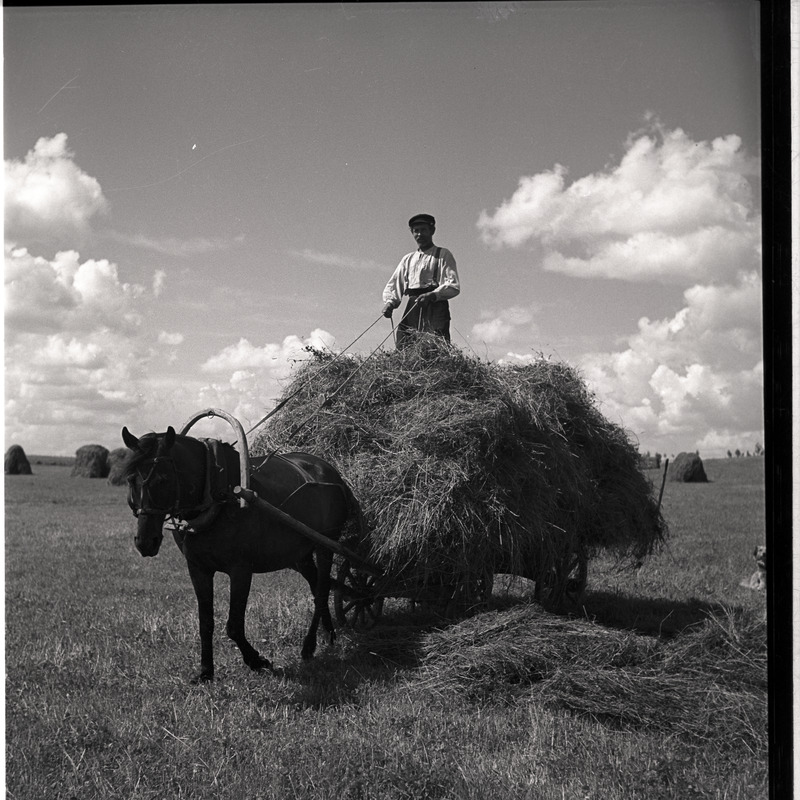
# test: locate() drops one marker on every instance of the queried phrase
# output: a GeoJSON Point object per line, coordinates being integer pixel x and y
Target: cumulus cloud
{"type": "Point", "coordinates": [498, 327]}
{"type": "Point", "coordinates": [75, 342]}
{"type": "Point", "coordinates": [672, 209]}
{"type": "Point", "coordinates": [697, 375]}
{"type": "Point", "coordinates": [244, 379]}
{"type": "Point", "coordinates": [273, 358]}
{"type": "Point", "coordinates": [73, 349]}
{"type": "Point", "coordinates": [66, 294]}
{"type": "Point", "coordinates": [48, 198]}
{"type": "Point", "coordinates": [83, 355]}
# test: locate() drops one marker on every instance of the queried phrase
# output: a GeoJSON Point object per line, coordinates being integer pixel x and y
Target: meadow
{"type": "Point", "coordinates": [656, 689]}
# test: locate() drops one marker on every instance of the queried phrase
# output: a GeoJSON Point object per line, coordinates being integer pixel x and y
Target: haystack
{"type": "Point", "coordinates": [466, 468]}
{"type": "Point", "coordinates": [16, 462]}
{"type": "Point", "coordinates": [91, 461]}
{"type": "Point", "coordinates": [687, 468]}
{"type": "Point", "coordinates": [117, 460]}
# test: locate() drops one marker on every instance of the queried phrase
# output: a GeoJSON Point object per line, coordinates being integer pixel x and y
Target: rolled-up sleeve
{"type": "Point", "coordinates": [449, 284]}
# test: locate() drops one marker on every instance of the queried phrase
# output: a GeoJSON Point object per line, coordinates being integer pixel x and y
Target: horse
{"type": "Point", "coordinates": [177, 477]}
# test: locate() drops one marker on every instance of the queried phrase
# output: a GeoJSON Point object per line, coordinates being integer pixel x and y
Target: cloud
{"type": "Point", "coordinates": [336, 261]}
{"type": "Point", "coordinates": [48, 198]}
{"type": "Point", "coordinates": [83, 354]}
{"type": "Point", "coordinates": [499, 327]}
{"type": "Point", "coordinates": [697, 375]}
{"type": "Point", "coordinates": [75, 350]}
{"type": "Point", "coordinates": [171, 339]}
{"type": "Point", "coordinates": [65, 294]}
{"type": "Point", "coordinates": [517, 358]}
{"type": "Point", "coordinates": [673, 209]}
{"type": "Point", "coordinates": [275, 359]}
{"type": "Point", "coordinates": [171, 246]}
{"type": "Point", "coordinates": [159, 281]}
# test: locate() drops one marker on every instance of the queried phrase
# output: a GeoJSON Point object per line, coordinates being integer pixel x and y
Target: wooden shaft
{"type": "Point", "coordinates": [663, 481]}
{"type": "Point", "coordinates": [318, 538]}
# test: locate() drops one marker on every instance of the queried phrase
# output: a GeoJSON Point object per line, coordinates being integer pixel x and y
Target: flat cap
{"type": "Point", "coordinates": [422, 218]}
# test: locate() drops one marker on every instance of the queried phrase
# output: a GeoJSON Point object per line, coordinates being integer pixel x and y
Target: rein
{"type": "Point", "coordinates": [327, 401]}
{"type": "Point", "coordinates": [300, 388]}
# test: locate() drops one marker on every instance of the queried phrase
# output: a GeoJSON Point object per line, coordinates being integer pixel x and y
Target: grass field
{"type": "Point", "coordinates": [100, 644]}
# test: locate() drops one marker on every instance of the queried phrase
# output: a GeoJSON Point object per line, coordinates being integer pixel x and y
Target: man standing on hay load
{"type": "Point", "coordinates": [428, 277]}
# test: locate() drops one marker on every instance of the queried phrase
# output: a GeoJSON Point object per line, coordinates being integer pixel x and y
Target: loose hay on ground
{"type": "Point", "coordinates": [705, 686]}
{"type": "Point", "coordinates": [465, 467]}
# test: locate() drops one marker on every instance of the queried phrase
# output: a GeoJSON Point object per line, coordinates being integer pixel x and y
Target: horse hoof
{"type": "Point", "coordinates": [262, 664]}
{"type": "Point", "coordinates": [203, 677]}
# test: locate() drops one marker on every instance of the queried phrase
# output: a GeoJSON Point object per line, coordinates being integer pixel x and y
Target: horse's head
{"type": "Point", "coordinates": [153, 486]}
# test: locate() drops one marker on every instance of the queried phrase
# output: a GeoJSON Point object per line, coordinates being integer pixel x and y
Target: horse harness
{"type": "Point", "coordinates": [191, 517]}
{"type": "Point", "coordinates": [195, 518]}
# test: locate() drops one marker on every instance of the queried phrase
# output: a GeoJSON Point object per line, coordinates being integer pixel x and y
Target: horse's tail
{"type": "Point", "coordinates": [355, 527]}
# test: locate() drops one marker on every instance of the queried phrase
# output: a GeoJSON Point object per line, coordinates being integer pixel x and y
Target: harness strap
{"type": "Point", "coordinates": [215, 491]}
{"type": "Point", "coordinates": [307, 478]}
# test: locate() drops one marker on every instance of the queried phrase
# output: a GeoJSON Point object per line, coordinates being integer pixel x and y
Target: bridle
{"type": "Point", "coordinates": [147, 508]}
{"type": "Point", "coordinates": [179, 508]}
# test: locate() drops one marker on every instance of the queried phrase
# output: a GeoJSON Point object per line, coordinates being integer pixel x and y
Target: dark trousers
{"type": "Point", "coordinates": [428, 318]}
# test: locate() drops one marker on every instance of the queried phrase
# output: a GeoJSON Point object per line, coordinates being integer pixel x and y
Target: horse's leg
{"type": "Point", "coordinates": [323, 591]}
{"type": "Point", "coordinates": [319, 580]}
{"type": "Point", "coordinates": [308, 569]}
{"type": "Point", "coordinates": [203, 582]}
{"type": "Point", "coordinates": [241, 579]}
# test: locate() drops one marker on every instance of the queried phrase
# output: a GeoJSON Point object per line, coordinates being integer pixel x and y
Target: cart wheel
{"type": "Point", "coordinates": [355, 602]}
{"type": "Point", "coordinates": [563, 585]}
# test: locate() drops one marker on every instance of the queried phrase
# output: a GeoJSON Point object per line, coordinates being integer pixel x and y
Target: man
{"type": "Point", "coordinates": [428, 277]}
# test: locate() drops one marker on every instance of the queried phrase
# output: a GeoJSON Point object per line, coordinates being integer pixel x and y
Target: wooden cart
{"type": "Point", "coordinates": [360, 586]}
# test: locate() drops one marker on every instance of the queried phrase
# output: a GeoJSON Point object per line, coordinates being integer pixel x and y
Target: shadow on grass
{"type": "Point", "coordinates": [652, 616]}
{"type": "Point", "coordinates": [377, 656]}
{"type": "Point", "coordinates": [393, 649]}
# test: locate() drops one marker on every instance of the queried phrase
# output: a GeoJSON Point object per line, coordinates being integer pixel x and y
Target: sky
{"type": "Point", "coordinates": [193, 194]}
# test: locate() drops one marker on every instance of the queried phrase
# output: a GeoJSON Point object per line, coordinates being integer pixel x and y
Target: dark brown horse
{"type": "Point", "coordinates": [172, 476]}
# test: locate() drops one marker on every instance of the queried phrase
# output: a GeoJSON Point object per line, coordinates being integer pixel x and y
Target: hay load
{"type": "Point", "coordinates": [16, 462]}
{"type": "Point", "coordinates": [465, 467]}
{"type": "Point", "coordinates": [117, 460]}
{"type": "Point", "coordinates": [687, 468]}
{"type": "Point", "coordinates": [91, 461]}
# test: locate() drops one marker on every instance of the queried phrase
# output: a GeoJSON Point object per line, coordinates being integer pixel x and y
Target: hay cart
{"type": "Point", "coordinates": [359, 592]}
{"type": "Point", "coordinates": [360, 585]}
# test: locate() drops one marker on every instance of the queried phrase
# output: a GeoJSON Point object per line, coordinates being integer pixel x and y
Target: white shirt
{"type": "Point", "coordinates": [421, 269]}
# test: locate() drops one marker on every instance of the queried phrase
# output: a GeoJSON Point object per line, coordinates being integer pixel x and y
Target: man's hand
{"type": "Point", "coordinates": [426, 298]}
{"type": "Point", "coordinates": [387, 310]}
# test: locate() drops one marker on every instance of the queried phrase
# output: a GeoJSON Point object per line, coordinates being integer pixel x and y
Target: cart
{"type": "Point", "coordinates": [359, 594]}
{"type": "Point", "coordinates": [361, 586]}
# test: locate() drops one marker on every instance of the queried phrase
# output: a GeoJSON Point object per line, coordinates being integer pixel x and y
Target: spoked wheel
{"type": "Point", "coordinates": [355, 601]}
{"type": "Point", "coordinates": [563, 585]}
